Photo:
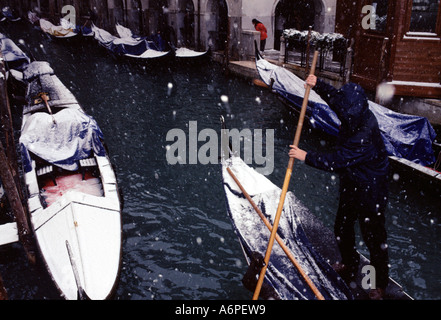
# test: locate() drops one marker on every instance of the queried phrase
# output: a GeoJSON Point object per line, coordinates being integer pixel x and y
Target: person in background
{"type": "Point", "coordinates": [361, 160]}
{"type": "Point", "coordinates": [263, 33]}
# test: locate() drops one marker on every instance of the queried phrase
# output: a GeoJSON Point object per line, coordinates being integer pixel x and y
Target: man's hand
{"type": "Point", "coordinates": [311, 81]}
{"type": "Point", "coordinates": [297, 153]}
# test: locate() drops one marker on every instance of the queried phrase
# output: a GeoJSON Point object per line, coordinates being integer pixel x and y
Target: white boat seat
{"type": "Point", "coordinates": [89, 162]}
{"type": "Point", "coordinates": [45, 170]}
{"type": "Point", "coordinates": [84, 163]}
{"type": "Point", "coordinates": [49, 169]}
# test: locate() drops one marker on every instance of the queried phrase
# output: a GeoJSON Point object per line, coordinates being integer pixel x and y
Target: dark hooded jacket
{"type": "Point", "coordinates": [360, 155]}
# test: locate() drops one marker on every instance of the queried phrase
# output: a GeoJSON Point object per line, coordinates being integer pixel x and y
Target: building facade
{"type": "Point", "coordinates": [201, 24]}
{"type": "Point", "coordinates": [399, 45]}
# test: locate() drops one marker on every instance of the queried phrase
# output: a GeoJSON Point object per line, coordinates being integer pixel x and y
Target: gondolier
{"type": "Point", "coordinates": [361, 159]}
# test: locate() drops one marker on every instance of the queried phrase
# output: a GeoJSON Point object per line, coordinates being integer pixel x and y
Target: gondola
{"type": "Point", "coordinates": [182, 54]}
{"type": "Point", "coordinates": [301, 234]}
{"type": "Point", "coordinates": [409, 139]}
{"type": "Point", "coordinates": [8, 15]}
{"type": "Point", "coordinates": [138, 50]}
{"type": "Point", "coordinates": [191, 57]}
{"type": "Point", "coordinates": [14, 57]}
{"type": "Point", "coordinates": [72, 192]}
{"type": "Point", "coordinates": [63, 31]}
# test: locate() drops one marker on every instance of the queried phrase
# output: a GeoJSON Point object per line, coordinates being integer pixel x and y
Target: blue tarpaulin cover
{"type": "Point", "coordinates": [11, 51]}
{"type": "Point", "coordinates": [72, 137]}
{"type": "Point", "coordinates": [405, 136]}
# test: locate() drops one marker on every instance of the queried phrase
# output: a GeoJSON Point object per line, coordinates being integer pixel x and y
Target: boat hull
{"type": "Point", "coordinates": [73, 197]}
{"type": "Point", "coordinates": [92, 228]}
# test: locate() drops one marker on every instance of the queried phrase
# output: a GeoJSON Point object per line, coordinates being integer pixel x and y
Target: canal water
{"type": "Point", "coordinates": [178, 242]}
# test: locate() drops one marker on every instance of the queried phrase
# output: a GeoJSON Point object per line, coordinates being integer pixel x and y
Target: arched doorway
{"type": "Point", "coordinates": [216, 19]}
{"type": "Point", "coordinates": [157, 15]}
{"type": "Point", "coordinates": [186, 23]}
{"type": "Point", "coordinates": [298, 14]}
{"type": "Point", "coordinates": [158, 20]}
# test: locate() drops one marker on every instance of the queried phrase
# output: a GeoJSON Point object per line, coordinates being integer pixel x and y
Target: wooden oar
{"type": "Point", "coordinates": [81, 293]}
{"type": "Point", "coordinates": [45, 98]}
{"type": "Point", "coordinates": [260, 83]}
{"type": "Point", "coordinates": [285, 184]}
{"type": "Point", "coordinates": [278, 239]}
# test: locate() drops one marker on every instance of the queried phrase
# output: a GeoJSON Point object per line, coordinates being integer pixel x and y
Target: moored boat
{"type": "Point", "coordinates": [14, 57]}
{"type": "Point", "coordinates": [191, 57]}
{"type": "Point", "coordinates": [156, 43]}
{"type": "Point", "coordinates": [128, 47]}
{"type": "Point", "coordinates": [63, 31]}
{"type": "Point", "coordinates": [73, 198]}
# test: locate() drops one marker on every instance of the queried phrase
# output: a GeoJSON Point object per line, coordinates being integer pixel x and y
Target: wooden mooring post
{"type": "Point", "coordinates": [11, 181]}
{"type": "Point", "coordinates": [3, 293]}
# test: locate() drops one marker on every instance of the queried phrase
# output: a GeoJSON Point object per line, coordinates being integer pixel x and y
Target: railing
{"type": "Point", "coordinates": [333, 48]}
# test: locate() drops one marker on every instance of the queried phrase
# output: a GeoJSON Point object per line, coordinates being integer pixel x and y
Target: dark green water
{"type": "Point", "coordinates": [178, 242]}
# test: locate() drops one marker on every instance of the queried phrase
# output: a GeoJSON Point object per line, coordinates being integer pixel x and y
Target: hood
{"type": "Point", "coordinates": [353, 107]}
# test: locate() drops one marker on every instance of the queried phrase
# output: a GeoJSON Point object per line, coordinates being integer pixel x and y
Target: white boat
{"type": "Point", "coordinates": [63, 31]}
{"type": "Point", "coordinates": [127, 46]}
{"type": "Point", "coordinates": [73, 198]}
{"type": "Point", "coordinates": [186, 54]}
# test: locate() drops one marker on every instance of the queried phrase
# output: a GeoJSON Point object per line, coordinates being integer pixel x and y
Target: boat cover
{"type": "Point", "coordinates": [254, 236]}
{"type": "Point", "coordinates": [65, 30]}
{"type": "Point", "coordinates": [11, 52]}
{"type": "Point", "coordinates": [130, 46]}
{"type": "Point", "coordinates": [154, 42]}
{"type": "Point", "coordinates": [72, 137]}
{"type": "Point", "coordinates": [405, 136]}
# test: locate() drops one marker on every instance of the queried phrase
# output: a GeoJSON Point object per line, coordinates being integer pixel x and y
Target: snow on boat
{"type": "Point", "coordinates": [15, 58]}
{"type": "Point", "coordinates": [156, 43]}
{"type": "Point", "coordinates": [135, 48]}
{"type": "Point", "coordinates": [73, 199]}
{"type": "Point", "coordinates": [408, 139]}
{"type": "Point", "coordinates": [186, 55]}
{"type": "Point", "coordinates": [64, 31]}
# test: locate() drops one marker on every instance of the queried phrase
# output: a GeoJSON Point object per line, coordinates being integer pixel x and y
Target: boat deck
{"type": "Point", "coordinates": [70, 182]}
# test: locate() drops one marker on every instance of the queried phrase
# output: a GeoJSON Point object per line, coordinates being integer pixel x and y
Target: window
{"type": "Point", "coordinates": [424, 16]}
{"type": "Point", "coordinates": [380, 14]}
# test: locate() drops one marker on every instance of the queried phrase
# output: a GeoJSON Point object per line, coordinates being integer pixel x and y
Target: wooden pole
{"type": "Point", "coordinates": [308, 45]}
{"type": "Point", "coordinates": [9, 176]}
{"type": "Point", "coordinates": [3, 293]}
{"type": "Point", "coordinates": [285, 184]}
{"type": "Point", "coordinates": [278, 239]}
